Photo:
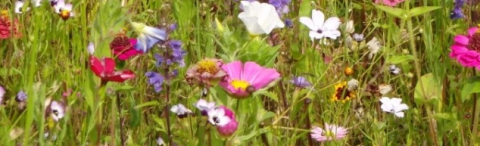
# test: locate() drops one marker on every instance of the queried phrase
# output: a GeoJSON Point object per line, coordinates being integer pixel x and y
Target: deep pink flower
{"type": "Point", "coordinates": [224, 119]}
{"type": "Point", "coordinates": [466, 48]}
{"type": "Point", "coordinates": [243, 79]}
{"type": "Point", "coordinates": [123, 47]}
{"type": "Point", "coordinates": [331, 132]}
{"type": "Point", "coordinates": [391, 3]}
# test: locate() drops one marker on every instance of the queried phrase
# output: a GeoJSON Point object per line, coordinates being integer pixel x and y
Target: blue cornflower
{"type": "Point", "coordinates": [159, 59]}
{"type": "Point", "coordinates": [148, 36]}
{"type": "Point", "coordinates": [155, 79]}
{"type": "Point", "coordinates": [300, 82]}
{"type": "Point", "coordinates": [21, 96]}
{"type": "Point", "coordinates": [457, 10]}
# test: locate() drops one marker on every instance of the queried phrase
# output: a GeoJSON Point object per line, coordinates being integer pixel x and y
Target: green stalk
{"type": "Point", "coordinates": [418, 74]}
{"type": "Point", "coordinates": [476, 102]}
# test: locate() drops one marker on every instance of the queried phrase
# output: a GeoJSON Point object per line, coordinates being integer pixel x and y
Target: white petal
{"type": "Point", "coordinates": [396, 101]}
{"type": "Point", "coordinates": [19, 6]}
{"type": "Point", "coordinates": [399, 114]}
{"type": "Point", "coordinates": [387, 107]}
{"type": "Point", "coordinates": [223, 120]}
{"type": "Point", "coordinates": [174, 109]}
{"type": "Point", "coordinates": [37, 2]}
{"type": "Point", "coordinates": [385, 100]}
{"type": "Point", "coordinates": [68, 7]}
{"type": "Point", "coordinates": [314, 35]}
{"type": "Point", "coordinates": [309, 23]}
{"type": "Point", "coordinates": [318, 18]}
{"type": "Point", "coordinates": [332, 23]}
{"type": "Point", "coordinates": [332, 34]}
{"type": "Point", "coordinates": [401, 107]}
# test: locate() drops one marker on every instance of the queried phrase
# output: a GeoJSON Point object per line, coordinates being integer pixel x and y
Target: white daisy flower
{"type": "Point", "coordinates": [394, 69]}
{"type": "Point", "coordinates": [57, 110]}
{"type": "Point", "coordinates": [204, 106]}
{"type": "Point", "coordinates": [319, 28]}
{"type": "Point", "coordinates": [394, 106]}
{"type": "Point", "coordinates": [19, 6]}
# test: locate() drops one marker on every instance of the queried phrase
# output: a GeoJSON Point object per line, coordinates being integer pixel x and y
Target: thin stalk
{"type": "Point", "coordinates": [418, 74]}
{"type": "Point", "coordinates": [120, 122]}
{"type": "Point", "coordinates": [167, 94]}
{"type": "Point", "coordinates": [476, 113]}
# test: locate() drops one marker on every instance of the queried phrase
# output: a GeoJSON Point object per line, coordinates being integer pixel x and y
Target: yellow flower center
{"type": "Point", "coordinates": [342, 93]}
{"type": "Point", "coordinates": [65, 14]}
{"type": "Point", "coordinates": [207, 66]}
{"type": "Point", "coordinates": [4, 13]}
{"type": "Point", "coordinates": [240, 84]}
{"type": "Point", "coordinates": [329, 134]}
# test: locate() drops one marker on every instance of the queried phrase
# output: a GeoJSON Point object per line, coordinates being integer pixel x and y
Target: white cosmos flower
{"type": "Point", "coordinates": [180, 110]}
{"type": "Point", "coordinates": [57, 110]}
{"type": "Point", "coordinates": [217, 117]}
{"type": "Point", "coordinates": [260, 18]}
{"type": "Point", "coordinates": [319, 28]}
{"type": "Point", "coordinates": [394, 106]}
{"type": "Point", "coordinates": [373, 46]}
{"type": "Point", "coordinates": [19, 6]}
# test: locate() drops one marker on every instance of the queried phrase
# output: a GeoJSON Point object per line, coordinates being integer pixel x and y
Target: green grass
{"type": "Point", "coordinates": [51, 58]}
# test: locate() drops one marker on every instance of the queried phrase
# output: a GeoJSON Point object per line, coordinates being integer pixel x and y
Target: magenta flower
{"type": "Point", "coordinates": [466, 48]}
{"type": "Point", "coordinates": [224, 119]}
{"type": "Point", "coordinates": [243, 79]}
{"type": "Point", "coordinates": [331, 132]}
{"type": "Point", "coordinates": [391, 3]}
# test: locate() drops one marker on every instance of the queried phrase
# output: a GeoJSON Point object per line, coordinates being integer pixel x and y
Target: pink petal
{"type": "Point", "coordinates": [250, 71]}
{"type": "Point", "coordinates": [264, 78]}
{"type": "Point", "coordinates": [472, 31]}
{"type": "Point", "coordinates": [461, 39]}
{"type": "Point", "coordinates": [233, 69]}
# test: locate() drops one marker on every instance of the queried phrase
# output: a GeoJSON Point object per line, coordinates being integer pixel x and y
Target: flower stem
{"type": "Point", "coordinates": [167, 90]}
{"type": "Point", "coordinates": [476, 113]}
{"type": "Point", "coordinates": [120, 122]}
{"type": "Point", "coordinates": [431, 119]}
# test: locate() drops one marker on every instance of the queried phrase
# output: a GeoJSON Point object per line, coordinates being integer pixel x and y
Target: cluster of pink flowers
{"type": "Point", "coordinates": [466, 48]}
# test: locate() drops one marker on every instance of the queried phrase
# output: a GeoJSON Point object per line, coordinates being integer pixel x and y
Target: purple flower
{"type": "Point", "coordinates": [288, 23]}
{"type": "Point", "coordinates": [155, 79]}
{"type": "Point", "coordinates": [280, 5]}
{"type": "Point", "coordinates": [21, 96]}
{"type": "Point", "coordinates": [300, 82]}
{"type": "Point", "coordinates": [177, 52]}
{"type": "Point", "coordinates": [457, 10]}
{"type": "Point", "coordinates": [173, 27]}
{"type": "Point", "coordinates": [159, 59]}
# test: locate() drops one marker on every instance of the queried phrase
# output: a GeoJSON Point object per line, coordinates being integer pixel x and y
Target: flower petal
{"type": "Point", "coordinates": [332, 23]}
{"type": "Point", "coordinates": [309, 23]}
{"type": "Point", "coordinates": [461, 39]}
{"type": "Point", "coordinates": [318, 18]}
{"type": "Point", "coordinates": [472, 31]}
{"type": "Point", "coordinates": [68, 7]}
{"type": "Point", "coordinates": [233, 69]}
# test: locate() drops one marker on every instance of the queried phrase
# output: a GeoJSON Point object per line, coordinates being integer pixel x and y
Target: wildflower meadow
{"type": "Point", "coordinates": [235, 73]}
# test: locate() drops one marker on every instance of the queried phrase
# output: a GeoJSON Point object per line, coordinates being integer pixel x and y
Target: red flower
{"type": "Point", "coordinates": [123, 47]}
{"type": "Point", "coordinates": [6, 27]}
{"type": "Point", "coordinates": [105, 69]}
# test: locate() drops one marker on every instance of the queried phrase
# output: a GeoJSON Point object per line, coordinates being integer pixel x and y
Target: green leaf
{"type": "Point", "coordinates": [397, 12]}
{"type": "Point", "coordinates": [400, 59]}
{"type": "Point", "coordinates": [421, 10]}
{"type": "Point", "coordinates": [471, 86]}
{"type": "Point", "coordinates": [147, 104]}
{"type": "Point", "coordinates": [428, 88]}
{"type": "Point", "coordinates": [124, 88]}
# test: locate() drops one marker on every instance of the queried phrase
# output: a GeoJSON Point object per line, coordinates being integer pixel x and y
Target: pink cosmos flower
{"type": "Point", "coordinates": [466, 48]}
{"type": "Point", "coordinates": [391, 3]}
{"type": "Point", "coordinates": [331, 132]}
{"type": "Point", "coordinates": [243, 79]}
{"type": "Point", "coordinates": [224, 119]}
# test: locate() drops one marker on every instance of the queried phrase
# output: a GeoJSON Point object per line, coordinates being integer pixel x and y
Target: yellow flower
{"type": "Point", "coordinates": [342, 93]}
{"type": "Point", "coordinates": [348, 71]}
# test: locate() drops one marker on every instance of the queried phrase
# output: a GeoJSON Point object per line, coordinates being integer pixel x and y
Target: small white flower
{"type": "Point", "coordinates": [91, 48]}
{"type": "Point", "coordinates": [373, 46]}
{"type": "Point", "coordinates": [394, 106]}
{"type": "Point", "coordinates": [160, 141]}
{"type": "Point", "coordinates": [57, 110]}
{"type": "Point", "coordinates": [65, 10]}
{"type": "Point", "coordinates": [260, 18]}
{"type": "Point", "coordinates": [203, 105]}
{"type": "Point", "coordinates": [358, 37]}
{"type": "Point", "coordinates": [19, 6]}
{"type": "Point", "coordinates": [349, 27]}
{"type": "Point", "coordinates": [384, 88]}
{"type": "Point", "coordinates": [352, 84]}
{"type": "Point", "coordinates": [180, 110]}
{"type": "Point", "coordinates": [217, 117]}
{"type": "Point", "coordinates": [319, 28]}
{"type": "Point", "coordinates": [394, 69]}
